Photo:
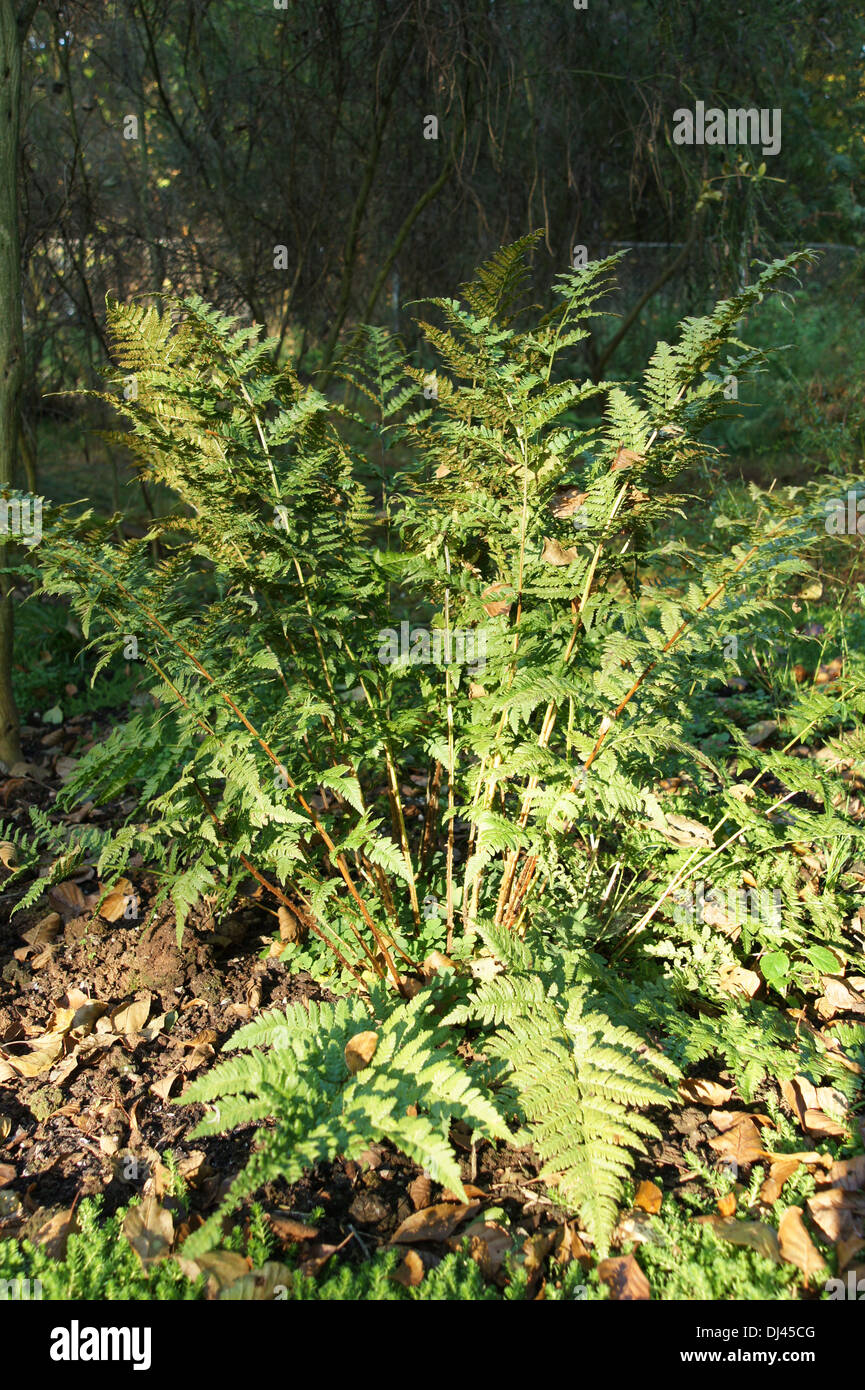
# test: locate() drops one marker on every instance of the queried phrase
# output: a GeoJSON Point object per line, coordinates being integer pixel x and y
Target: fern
{"type": "Point", "coordinates": [580, 1080]}
{"type": "Point", "coordinates": [294, 1068]}
{"type": "Point", "coordinates": [400, 807]}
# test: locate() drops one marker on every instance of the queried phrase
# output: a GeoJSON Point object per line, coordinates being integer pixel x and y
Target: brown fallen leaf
{"type": "Point", "coordinates": [317, 1256]}
{"type": "Point", "coordinates": [435, 962]}
{"type": "Point", "coordinates": [685, 832]}
{"type": "Point", "coordinates": [535, 1250]}
{"type": "Point", "coordinates": [8, 854]}
{"type": "Point", "coordinates": [829, 672]}
{"type": "Point", "coordinates": [40, 1056]}
{"type": "Point", "coordinates": [779, 1172]}
{"type": "Point", "coordinates": [648, 1197]}
{"type": "Point", "coordinates": [740, 1143]}
{"type": "Point", "coordinates": [736, 980]}
{"type": "Point", "coordinates": [567, 501]}
{"type": "Point", "coordinates": [848, 1173]}
{"type": "Point", "coordinates": [489, 1244]}
{"type": "Point", "coordinates": [839, 997]}
{"type": "Point", "coordinates": [555, 554]}
{"type": "Point", "coordinates": [290, 927]}
{"type": "Point", "coordinates": [8, 1173]}
{"type": "Point", "coordinates": [420, 1192]}
{"type": "Point", "coordinates": [410, 1271]}
{"type": "Point", "coordinates": [51, 1229]}
{"type": "Point", "coordinates": [756, 1235]}
{"type": "Point", "coordinates": [360, 1050]}
{"type": "Point", "coordinates": [44, 931]}
{"type": "Point", "coordinates": [837, 1215]}
{"type": "Point", "coordinates": [115, 904]}
{"type": "Point", "coordinates": [727, 1204]}
{"type": "Point", "coordinates": [624, 1278]}
{"type": "Point", "coordinates": [164, 1086]}
{"type": "Point", "coordinates": [625, 458]}
{"type": "Point", "coordinates": [822, 1126]}
{"type": "Point", "coordinates": [68, 898]}
{"type": "Point", "coordinates": [699, 1092]}
{"type": "Point", "coordinates": [149, 1228]}
{"type": "Point", "coordinates": [470, 1191]}
{"type": "Point", "coordinates": [796, 1245]}
{"type": "Point", "coordinates": [132, 1017]}
{"type": "Point", "coordinates": [494, 607]}
{"type": "Point", "coordinates": [437, 1222]}
{"type": "Point", "coordinates": [568, 1246]}
{"type": "Point", "coordinates": [287, 1229]}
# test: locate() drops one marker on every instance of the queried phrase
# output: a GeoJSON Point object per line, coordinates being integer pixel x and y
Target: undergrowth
{"type": "Point", "coordinates": [477, 742]}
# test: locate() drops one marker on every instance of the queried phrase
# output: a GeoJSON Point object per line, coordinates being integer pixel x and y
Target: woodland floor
{"type": "Point", "coordinates": [99, 1119]}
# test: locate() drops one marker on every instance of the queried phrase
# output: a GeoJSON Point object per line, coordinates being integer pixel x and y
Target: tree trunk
{"type": "Point", "coordinates": [13, 24]}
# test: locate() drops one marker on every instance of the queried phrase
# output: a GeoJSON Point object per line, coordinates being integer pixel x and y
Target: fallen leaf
{"type": "Point", "coordinates": [848, 1173]}
{"type": "Point", "coordinates": [420, 1192]}
{"type": "Point", "coordinates": [494, 607]}
{"type": "Point", "coordinates": [289, 1230]}
{"type": "Point", "coordinates": [779, 1172]}
{"type": "Point", "coordinates": [624, 1278]}
{"type": "Point", "coordinates": [625, 458]}
{"type": "Point", "coordinates": [736, 980]}
{"type": "Point", "coordinates": [164, 1086]}
{"type": "Point", "coordinates": [434, 962]}
{"type": "Point", "coordinates": [149, 1228]}
{"type": "Point", "coordinates": [555, 554]}
{"type": "Point", "coordinates": [290, 929]}
{"type": "Point", "coordinates": [795, 1244]}
{"type": "Point", "coordinates": [259, 1285]}
{"type": "Point", "coordinates": [469, 1191]}
{"type": "Point", "coordinates": [754, 1234]}
{"type": "Point", "coordinates": [115, 904]}
{"type": "Point", "coordinates": [8, 1173]}
{"type": "Point", "coordinates": [437, 1222]}
{"type": "Point", "coordinates": [68, 898]}
{"type": "Point", "coordinates": [566, 501]}
{"type": "Point", "coordinates": [45, 930]}
{"type": "Point", "coordinates": [8, 854]}
{"type": "Point", "coordinates": [318, 1256]}
{"type": "Point", "coordinates": [132, 1017]}
{"type": "Point", "coordinates": [162, 1024]}
{"type": "Point", "coordinates": [50, 1230]}
{"type": "Point", "coordinates": [829, 672]}
{"type": "Point", "coordinates": [681, 830]}
{"type": "Point", "coordinates": [410, 1271]}
{"type": "Point", "coordinates": [822, 1126]}
{"type": "Point", "coordinates": [41, 1055]}
{"type": "Point", "coordinates": [740, 1143]}
{"type": "Point", "coordinates": [700, 1092]}
{"type": "Point", "coordinates": [223, 1268]}
{"type": "Point", "coordinates": [837, 1214]}
{"type": "Point", "coordinates": [360, 1050]}
{"type": "Point", "coordinates": [727, 1204]}
{"type": "Point", "coordinates": [648, 1197]}
{"type": "Point", "coordinates": [489, 1244]}
{"type": "Point", "coordinates": [838, 996]}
